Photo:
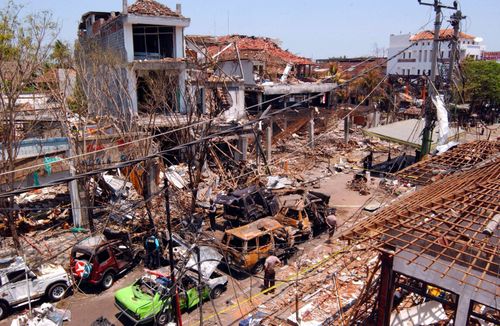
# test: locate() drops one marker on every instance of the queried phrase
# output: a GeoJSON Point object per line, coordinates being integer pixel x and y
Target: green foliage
{"type": "Point", "coordinates": [482, 83]}
{"type": "Point", "coordinates": [61, 54]}
{"type": "Point", "coordinates": [25, 42]}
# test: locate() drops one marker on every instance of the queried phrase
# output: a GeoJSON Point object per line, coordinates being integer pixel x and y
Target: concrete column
{"type": "Point", "coordinates": [257, 150]}
{"type": "Point", "coordinates": [182, 92]}
{"type": "Point", "coordinates": [462, 309]}
{"type": "Point", "coordinates": [151, 186]}
{"type": "Point", "coordinates": [132, 91]}
{"type": "Point", "coordinates": [346, 129]}
{"type": "Point", "coordinates": [377, 119]}
{"type": "Point", "coordinates": [386, 290]}
{"type": "Point", "coordinates": [75, 203]}
{"type": "Point", "coordinates": [243, 147]}
{"type": "Point", "coordinates": [311, 133]}
{"type": "Point", "coordinates": [259, 101]}
{"type": "Point", "coordinates": [79, 214]}
{"type": "Point", "coordinates": [371, 118]}
{"type": "Point", "coordinates": [269, 142]}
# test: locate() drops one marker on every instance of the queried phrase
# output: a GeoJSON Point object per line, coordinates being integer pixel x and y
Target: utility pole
{"type": "Point", "coordinates": [175, 294]}
{"type": "Point", "coordinates": [427, 132]}
{"type": "Point", "coordinates": [454, 55]}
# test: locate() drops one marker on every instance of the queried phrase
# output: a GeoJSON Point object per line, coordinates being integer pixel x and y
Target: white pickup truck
{"type": "Point", "coordinates": [17, 281]}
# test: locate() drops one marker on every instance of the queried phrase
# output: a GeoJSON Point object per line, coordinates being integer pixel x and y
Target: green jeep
{"type": "Point", "coordinates": [148, 298]}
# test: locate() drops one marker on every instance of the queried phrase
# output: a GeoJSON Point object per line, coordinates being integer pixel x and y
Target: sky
{"type": "Point", "coordinates": [314, 28]}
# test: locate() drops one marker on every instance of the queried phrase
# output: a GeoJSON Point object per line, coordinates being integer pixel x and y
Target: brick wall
{"type": "Point", "coordinates": [113, 37]}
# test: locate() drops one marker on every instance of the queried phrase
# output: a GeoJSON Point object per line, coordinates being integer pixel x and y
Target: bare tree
{"type": "Point", "coordinates": [25, 44]}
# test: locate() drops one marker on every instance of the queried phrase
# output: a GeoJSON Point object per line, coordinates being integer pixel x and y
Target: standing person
{"type": "Point", "coordinates": [270, 272]}
{"type": "Point", "coordinates": [152, 247]}
{"type": "Point", "coordinates": [212, 214]}
{"type": "Point", "coordinates": [331, 223]}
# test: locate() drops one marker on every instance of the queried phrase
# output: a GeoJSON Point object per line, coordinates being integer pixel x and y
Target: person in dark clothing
{"type": "Point", "coordinates": [212, 214]}
{"type": "Point", "coordinates": [368, 162]}
{"type": "Point", "coordinates": [152, 247]}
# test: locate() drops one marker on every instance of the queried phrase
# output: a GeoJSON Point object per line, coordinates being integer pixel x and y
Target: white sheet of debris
{"type": "Point", "coordinates": [277, 182]}
{"type": "Point", "coordinates": [45, 315]}
{"type": "Point", "coordinates": [427, 313]}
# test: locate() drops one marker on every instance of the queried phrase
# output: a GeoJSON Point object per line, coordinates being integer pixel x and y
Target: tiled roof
{"type": "Point", "coordinates": [151, 8]}
{"type": "Point", "coordinates": [255, 48]}
{"type": "Point", "coordinates": [443, 34]}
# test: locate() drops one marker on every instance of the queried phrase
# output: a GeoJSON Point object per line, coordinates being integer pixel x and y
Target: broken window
{"type": "Point", "coordinates": [16, 276]}
{"type": "Point", "coordinates": [236, 243]}
{"type": "Point", "coordinates": [252, 244]}
{"type": "Point", "coordinates": [480, 314]}
{"type": "Point", "coordinates": [103, 256]}
{"type": "Point", "coordinates": [417, 302]}
{"type": "Point", "coordinates": [153, 42]}
{"type": "Point", "coordinates": [264, 240]}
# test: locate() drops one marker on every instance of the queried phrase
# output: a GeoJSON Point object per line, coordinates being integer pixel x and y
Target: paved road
{"type": "Point", "coordinates": [242, 296]}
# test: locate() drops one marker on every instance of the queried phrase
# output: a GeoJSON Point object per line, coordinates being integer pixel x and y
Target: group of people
{"type": "Point", "coordinates": [153, 252]}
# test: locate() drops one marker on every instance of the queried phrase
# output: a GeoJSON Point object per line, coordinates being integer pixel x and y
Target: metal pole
{"type": "Point", "coordinates": [200, 287]}
{"type": "Point", "coordinates": [175, 296]}
{"type": "Point", "coordinates": [455, 22]}
{"type": "Point", "coordinates": [427, 132]}
{"type": "Point", "coordinates": [27, 283]}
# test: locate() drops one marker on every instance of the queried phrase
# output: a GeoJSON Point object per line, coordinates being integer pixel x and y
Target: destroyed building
{"type": "Point", "coordinates": [148, 39]}
{"type": "Point", "coordinates": [439, 244]}
{"type": "Point", "coordinates": [269, 72]}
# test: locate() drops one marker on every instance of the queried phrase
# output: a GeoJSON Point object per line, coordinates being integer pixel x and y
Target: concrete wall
{"type": "Point", "coordinates": [237, 110]}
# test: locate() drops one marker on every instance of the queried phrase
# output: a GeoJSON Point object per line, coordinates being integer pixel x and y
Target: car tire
{"type": "Point", "coordinates": [4, 310]}
{"type": "Point", "coordinates": [108, 280]}
{"type": "Point", "coordinates": [56, 292]}
{"type": "Point", "coordinates": [216, 292]}
{"type": "Point", "coordinates": [258, 267]}
{"type": "Point", "coordinates": [163, 318]}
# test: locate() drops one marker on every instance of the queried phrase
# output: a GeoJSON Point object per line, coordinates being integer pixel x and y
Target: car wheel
{"type": "Point", "coordinates": [258, 267]}
{"type": "Point", "coordinates": [4, 309]}
{"type": "Point", "coordinates": [57, 291]}
{"type": "Point", "coordinates": [107, 280]}
{"type": "Point", "coordinates": [216, 292]}
{"type": "Point", "coordinates": [163, 318]}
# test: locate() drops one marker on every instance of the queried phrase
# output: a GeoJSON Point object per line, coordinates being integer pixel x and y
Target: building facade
{"type": "Point", "coordinates": [147, 39]}
{"type": "Point", "coordinates": [416, 60]}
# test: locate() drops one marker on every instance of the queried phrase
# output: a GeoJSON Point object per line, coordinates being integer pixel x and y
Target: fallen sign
{"type": "Point", "coordinates": [427, 313]}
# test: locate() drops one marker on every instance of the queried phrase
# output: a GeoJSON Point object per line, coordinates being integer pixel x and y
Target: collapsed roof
{"type": "Point", "coordinates": [445, 229]}
{"type": "Point", "coordinates": [151, 8]}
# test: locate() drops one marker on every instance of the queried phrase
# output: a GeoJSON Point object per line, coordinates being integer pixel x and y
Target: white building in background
{"type": "Point", "coordinates": [416, 61]}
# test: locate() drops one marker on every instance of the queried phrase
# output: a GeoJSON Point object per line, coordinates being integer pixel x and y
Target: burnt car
{"type": "Point", "coordinates": [247, 205]}
{"type": "Point", "coordinates": [247, 247]}
{"type": "Point", "coordinates": [98, 260]}
{"type": "Point", "coordinates": [293, 213]}
{"type": "Point", "coordinates": [317, 209]}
